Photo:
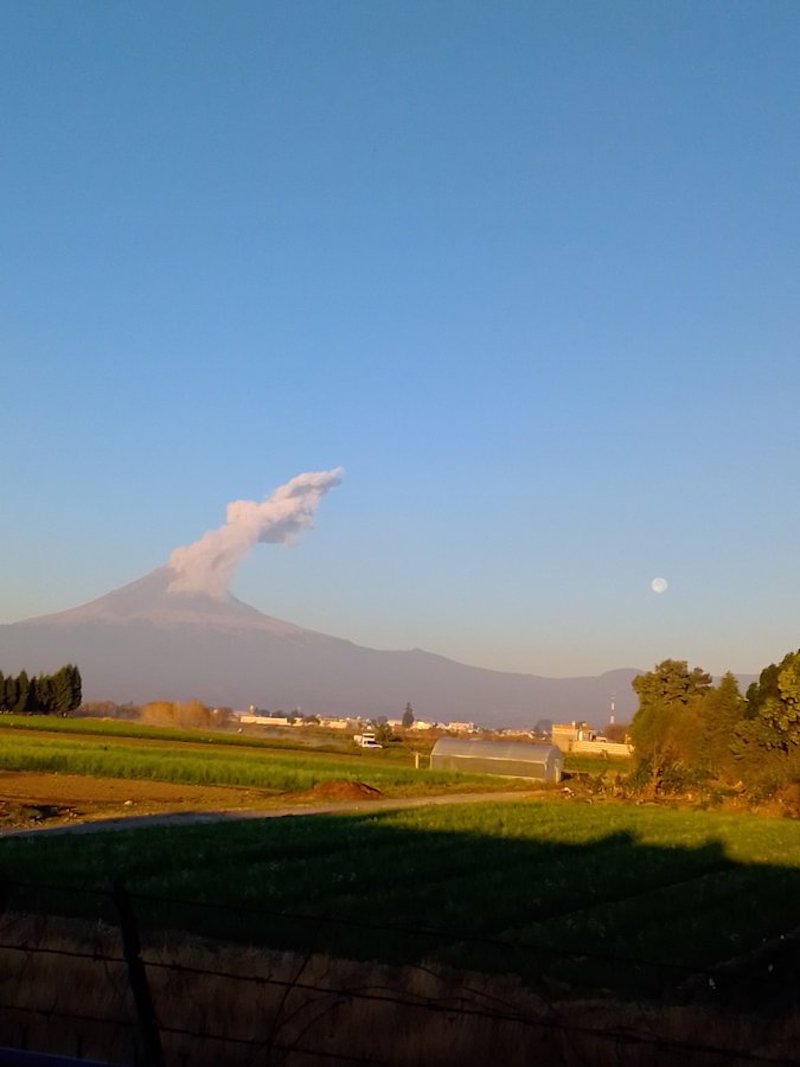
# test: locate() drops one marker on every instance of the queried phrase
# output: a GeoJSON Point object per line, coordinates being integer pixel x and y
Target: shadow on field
{"type": "Point", "coordinates": [519, 933]}
{"type": "Point", "coordinates": [608, 914]}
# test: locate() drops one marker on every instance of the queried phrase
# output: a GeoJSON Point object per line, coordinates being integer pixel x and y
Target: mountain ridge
{"type": "Point", "coordinates": [144, 641]}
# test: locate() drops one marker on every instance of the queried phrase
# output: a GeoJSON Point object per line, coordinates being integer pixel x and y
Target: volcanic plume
{"type": "Point", "coordinates": [178, 633]}
{"type": "Point", "coordinates": [208, 565]}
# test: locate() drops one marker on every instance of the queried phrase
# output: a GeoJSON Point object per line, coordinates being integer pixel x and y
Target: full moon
{"type": "Point", "coordinates": [659, 585]}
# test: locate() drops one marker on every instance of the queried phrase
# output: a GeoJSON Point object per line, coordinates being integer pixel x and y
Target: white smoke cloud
{"type": "Point", "coordinates": [209, 564]}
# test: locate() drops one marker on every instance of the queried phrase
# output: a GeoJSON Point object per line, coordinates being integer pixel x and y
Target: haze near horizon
{"type": "Point", "coordinates": [527, 273]}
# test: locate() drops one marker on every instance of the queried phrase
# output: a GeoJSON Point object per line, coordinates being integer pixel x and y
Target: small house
{"type": "Point", "coordinates": [515, 759]}
{"type": "Point", "coordinates": [565, 734]}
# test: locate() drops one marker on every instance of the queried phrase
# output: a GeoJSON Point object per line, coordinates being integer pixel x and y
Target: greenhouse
{"type": "Point", "coordinates": [515, 758]}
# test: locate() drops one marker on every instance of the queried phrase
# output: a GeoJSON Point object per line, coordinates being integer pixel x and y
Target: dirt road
{"type": "Point", "coordinates": [56, 804]}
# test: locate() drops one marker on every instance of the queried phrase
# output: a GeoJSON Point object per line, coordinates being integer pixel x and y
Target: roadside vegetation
{"type": "Point", "coordinates": [690, 735]}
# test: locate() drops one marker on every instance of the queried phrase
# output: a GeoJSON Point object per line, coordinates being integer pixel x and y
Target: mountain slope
{"type": "Point", "coordinates": [144, 642]}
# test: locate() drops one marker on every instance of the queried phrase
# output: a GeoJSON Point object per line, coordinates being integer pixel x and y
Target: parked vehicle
{"type": "Point", "coordinates": [367, 740]}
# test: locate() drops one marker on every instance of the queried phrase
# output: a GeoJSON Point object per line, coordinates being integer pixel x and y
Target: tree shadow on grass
{"type": "Point", "coordinates": [611, 915]}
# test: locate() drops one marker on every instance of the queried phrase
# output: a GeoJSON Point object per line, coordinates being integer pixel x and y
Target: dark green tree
{"type": "Point", "coordinates": [66, 690]}
{"type": "Point", "coordinates": [77, 687]}
{"type": "Point", "coordinates": [758, 693]}
{"type": "Point", "coordinates": [408, 717]}
{"type": "Point", "coordinates": [11, 692]}
{"type": "Point", "coordinates": [772, 725]}
{"type": "Point", "coordinates": [43, 694]}
{"type": "Point", "coordinates": [723, 709]}
{"type": "Point", "coordinates": [780, 713]}
{"type": "Point", "coordinates": [671, 682]}
{"type": "Point", "coordinates": [667, 728]}
{"type": "Point", "coordinates": [24, 694]}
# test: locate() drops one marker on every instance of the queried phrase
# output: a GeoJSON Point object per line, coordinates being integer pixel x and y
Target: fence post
{"type": "Point", "coordinates": [148, 1026]}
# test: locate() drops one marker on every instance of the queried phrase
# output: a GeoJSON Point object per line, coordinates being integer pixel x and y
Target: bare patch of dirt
{"type": "Point", "coordinates": [30, 799]}
{"type": "Point", "coordinates": [341, 790]}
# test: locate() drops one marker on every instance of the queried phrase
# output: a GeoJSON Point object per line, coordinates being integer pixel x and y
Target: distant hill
{"type": "Point", "coordinates": [145, 641]}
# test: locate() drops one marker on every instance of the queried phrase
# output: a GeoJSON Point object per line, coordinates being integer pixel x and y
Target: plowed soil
{"type": "Point", "coordinates": [30, 799]}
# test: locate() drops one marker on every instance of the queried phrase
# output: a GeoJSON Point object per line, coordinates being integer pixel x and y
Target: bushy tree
{"type": "Point", "coordinates": [192, 713]}
{"type": "Point", "coordinates": [670, 683]}
{"type": "Point", "coordinates": [773, 716]}
{"type": "Point", "coordinates": [408, 717]}
{"type": "Point", "coordinates": [617, 731]}
{"type": "Point", "coordinates": [667, 730]}
{"type": "Point", "coordinates": [779, 713]}
{"type": "Point", "coordinates": [159, 713]}
{"type": "Point", "coordinates": [759, 692]}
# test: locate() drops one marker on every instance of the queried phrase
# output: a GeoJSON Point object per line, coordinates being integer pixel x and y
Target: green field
{"type": "Point", "coordinates": [538, 887]}
{"type": "Point", "coordinates": [53, 724]}
{"type": "Point", "coordinates": [197, 758]}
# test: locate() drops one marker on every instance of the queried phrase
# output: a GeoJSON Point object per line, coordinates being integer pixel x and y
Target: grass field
{"type": "Point", "coordinates": [534, 887]}
{"type": "Point", "coordinates": [110, 728]}
{"type": "Point", "coordinates": [86, 748]}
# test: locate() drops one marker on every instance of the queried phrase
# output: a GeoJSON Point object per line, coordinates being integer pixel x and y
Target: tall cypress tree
{"type": "Point", "coordinates": [76, 687]}
{"type": "Point", "coordinates": [23, 693]}
{"type": "Point", "coordinates": [43, 685]}
{"type": "Point", "coordinates": [62, 691]}
{"type": "Point", "coordinates": [11, 693]}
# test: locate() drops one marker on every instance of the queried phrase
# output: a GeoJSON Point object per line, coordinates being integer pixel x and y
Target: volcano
{"type": "Point", "coordinates": [147, 641]}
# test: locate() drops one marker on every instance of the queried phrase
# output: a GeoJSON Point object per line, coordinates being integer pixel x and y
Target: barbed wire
{"type": "Point", "coordinates": [625, 1037]}
{"type": "Point", "coordinates": [96, 957]}
{"type": "Point", "coordinates": [373, 994]}
{"type": "Point", "coordinates": [454, 937]}
{"type": "Point", "coordinates": [79, 1017]}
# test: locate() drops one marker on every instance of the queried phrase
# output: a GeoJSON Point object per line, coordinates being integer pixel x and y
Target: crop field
{"type": "Point", "coordinates": [614, 898]}
{"type": "Point", "coordinates": [181, 758]}
{"type": "Point", "coordinates": [112, 728]}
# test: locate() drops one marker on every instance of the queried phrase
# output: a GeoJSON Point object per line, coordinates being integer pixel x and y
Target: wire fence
{"type": "Point", "coordinates": [117, 992]}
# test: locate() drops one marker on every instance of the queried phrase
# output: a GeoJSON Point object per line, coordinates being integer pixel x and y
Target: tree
{"type": "Point", "coordinates": [617, 731]}
{"type": "Point", "coordinates": [193, 713]}
{"type": "Point", "coordinates": [23, 693]}
{"type": "Point", "coordinates": [722, 711]}
{"type": "Point", "coordinates": [160, 713]}
{"type": "Point", "coordinates": [66, 690]}
{"type": "Point", "coordinates": [671, 682]}
{"type": "Point", "coordinates": [780, 713]}
{"type": "Point", "coordinates": [773, 711]}
{"type": "Point", "coordinates": [759, 692]}
{"type": "Point", "coordinates": [408, 717]}
{"type": "Point", "coordinates": [43, 689]}
{"type": "Point", "coordinates": [667, 728]}
{"type": "Point", "coordinates": [77, 687]}
{"type": "Point", "coordinates": [381, 729]}
{"type": "Point", "coordinates": [11, 693]}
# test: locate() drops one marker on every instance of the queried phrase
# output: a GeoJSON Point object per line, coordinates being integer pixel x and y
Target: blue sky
{"type": "Point", "coordinates": [528, 271]}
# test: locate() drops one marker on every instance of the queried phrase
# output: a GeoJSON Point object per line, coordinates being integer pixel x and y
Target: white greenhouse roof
{"type": "Point", "coordinates": [500, 750]}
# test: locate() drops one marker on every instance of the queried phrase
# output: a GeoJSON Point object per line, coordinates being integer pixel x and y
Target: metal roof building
{"type": "Point", "coordinates": [517, 759]}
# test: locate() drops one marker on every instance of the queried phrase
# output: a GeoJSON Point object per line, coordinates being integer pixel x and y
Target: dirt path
{"type": "Point", "coordinates": [70, 803]}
